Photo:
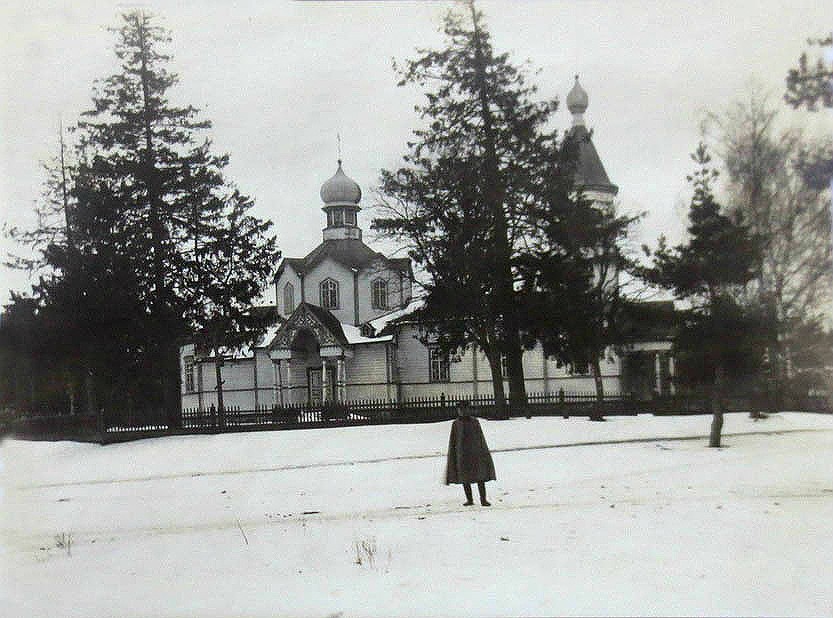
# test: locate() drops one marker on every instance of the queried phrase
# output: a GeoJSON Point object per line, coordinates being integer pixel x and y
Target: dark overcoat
{"type": "Point", "coordinates": [469, 460]}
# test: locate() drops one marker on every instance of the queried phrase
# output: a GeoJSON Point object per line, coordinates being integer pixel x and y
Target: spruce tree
{"type": "Point", "coordinates": [231, 264]}
{"type": "Point", "coordinates": [720, 343]}
{"type": "Point", "coordinates": [143, 260]}
{"type": "Point", "coordinates": [572, 286]}
{"type": "Point", "coordinates": [164, 185]}
{"type": "Point", "coordinates": [461, 200]}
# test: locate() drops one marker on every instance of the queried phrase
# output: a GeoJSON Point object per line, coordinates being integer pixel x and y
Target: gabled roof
{"type": "Point", "coordinates": [355, 337]}
{"type": "Point", "coordinates": [328, 320]}
{"type": "Point", "coordinates": [322, 323]}
{"type": "Point", "coordinates": [349, 252]}
{"type": "Point", "coordinates": [381, 323]}
{"type": "Point", "coordinates": [590, 174]}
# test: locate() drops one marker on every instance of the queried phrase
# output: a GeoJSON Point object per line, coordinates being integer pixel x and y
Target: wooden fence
{"type": "Point", "coordinates": [129, 425]}
{"type": "Point", "coordinates": [415, 410]}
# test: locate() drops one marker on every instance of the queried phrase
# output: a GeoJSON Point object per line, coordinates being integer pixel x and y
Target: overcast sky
{"type": "Point", "coordinates": [279, 81]}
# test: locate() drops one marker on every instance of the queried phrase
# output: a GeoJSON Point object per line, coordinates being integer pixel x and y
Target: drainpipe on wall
{"type": "Point", "coordinates": [355, 296]}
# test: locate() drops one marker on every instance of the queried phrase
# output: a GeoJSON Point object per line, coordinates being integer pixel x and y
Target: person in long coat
{"type": "Point", "coordinates": [469, 460]}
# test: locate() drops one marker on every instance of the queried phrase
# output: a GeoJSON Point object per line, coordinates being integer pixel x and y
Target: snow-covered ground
{"type": "Point", "coordinates": [622, 517]}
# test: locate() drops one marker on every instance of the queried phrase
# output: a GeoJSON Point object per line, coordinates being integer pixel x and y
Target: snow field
{"type": "Point", "coordinates": [267, 524]}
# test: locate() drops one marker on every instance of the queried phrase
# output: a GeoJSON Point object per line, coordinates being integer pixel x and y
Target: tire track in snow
{"type": "Point", "coordinates": [330, 464]}
{"type": "Point", "coordinates": [30, 542]}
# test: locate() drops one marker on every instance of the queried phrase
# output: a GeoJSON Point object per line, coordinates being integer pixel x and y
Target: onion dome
{"type": "Point", "coordinates": [577, 99]}
{"type": "Point", "coordinates": [341, 189]}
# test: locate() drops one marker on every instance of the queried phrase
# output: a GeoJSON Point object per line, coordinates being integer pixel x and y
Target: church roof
{"type": "Point", "coordinates": [326, 327]}
{"type": "Point", "coordinates": [355, 337]}
{"type": "Point", "coordinates": [381, 323]}
{"type": "Point", "coordinates": [324, 324]}
{"type": "Point", "coordinates": [590, 174]}
{"type": "Point", "coordinates": [329, 321]}
{"type": "Point", "coordinates": [349, 252]}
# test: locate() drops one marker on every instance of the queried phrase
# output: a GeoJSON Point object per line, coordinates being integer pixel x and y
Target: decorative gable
{"type": "Point", "coordinates": [320, 322]}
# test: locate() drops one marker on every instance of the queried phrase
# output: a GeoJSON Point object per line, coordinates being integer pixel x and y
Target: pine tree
{"type": "Point", "coordinates": [571, 274]}
{"type": "Point", "coordinates": [149, 225]}
{"type": "Point", "coordinates": [720, 342]}
{"type": "Point", "coordinates": [164, 186]}
{"type": "Point", "coordinates": [811, 83]}
{"type": "Point", "coordinates": [54, 212]}
{"type": "Point", "coordinates": [231, 266]}
{"type": "Point", "coordinates": [461, 201]}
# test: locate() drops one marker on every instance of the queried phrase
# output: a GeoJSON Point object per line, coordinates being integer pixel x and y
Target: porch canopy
{"type": "Point", "coordinates": [309, 354]}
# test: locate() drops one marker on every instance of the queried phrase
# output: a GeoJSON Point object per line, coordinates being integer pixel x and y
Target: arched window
{"type": "Point", "coordinates": [329, 294]}
{"type": "Point", "coordinates": [288, 299]}
{"type": "Point", "coordinates": [189, 374]}
{"type": "Point", "coordinates": [379, 294]}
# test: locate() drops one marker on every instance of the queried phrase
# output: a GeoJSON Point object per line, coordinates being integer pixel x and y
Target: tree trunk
{"type": "Point", "coordinates": [596, 415]}
{"type": "Point", "coordinates": [92, 403]}
{"type": "Point", "coordinates": [504, 297]}
{"type": "Point", "coordinates": [718, 408]}
{"type": "Point", "coordinates": [717, 425]}
{"type": "Point", "coordinates": [221, 408]}
{"type": "Point", "coordinates": [501, 410]}
{"type": "Point", "coordinates": [71, 392]}
{"type": "Point", "coordinates": [172, 386]}
{"type": "Point", "coordinates": [517, 383]}
{"type": "Point", "coordinates": [163, 318]}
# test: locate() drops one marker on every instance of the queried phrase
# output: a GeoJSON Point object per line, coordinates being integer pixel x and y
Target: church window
{"type": "Point", "coordinates": [288, 298]}
{"type": "Point", "coordinates": [379, 289]}
{"type": "Point", "coordinates": [189, 374]}
{"type": "Point", "coordinates": [580, 368]}
{"type": "Point", "coordinates": [438, 365]}
{"type": "Point", "coordinates": [350, 217]}
{"type": "Point", "coordinates": [338, 217]}
{"type": "Point", "coordinates": [504, 365]}
{"type": "Point", "coordinates": [329, 294]}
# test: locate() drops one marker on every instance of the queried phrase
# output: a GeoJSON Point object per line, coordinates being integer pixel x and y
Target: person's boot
{"type": "Point", "coordinates": [481, 487]}
{"type": "Point", "coordinates": [469, 500]}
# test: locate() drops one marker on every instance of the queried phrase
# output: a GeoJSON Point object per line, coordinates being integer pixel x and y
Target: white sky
{"type": "Point", "coordinates": [280, 80]}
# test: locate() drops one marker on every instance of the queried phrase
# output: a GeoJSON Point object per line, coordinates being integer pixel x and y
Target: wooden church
{"type": "Point", "coordinates": [343, 330]}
